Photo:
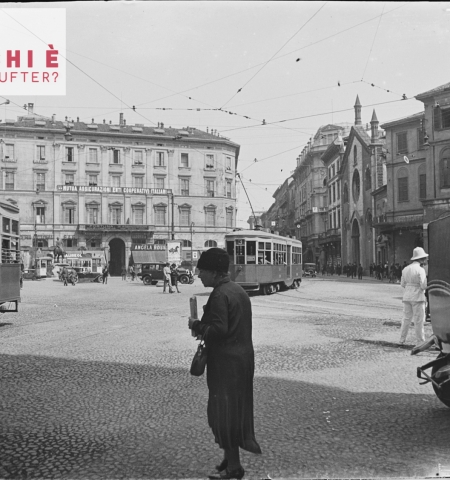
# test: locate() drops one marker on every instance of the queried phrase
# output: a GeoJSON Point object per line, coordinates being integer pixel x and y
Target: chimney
{"type": "Point", "coordinates": [124, 122]}
{"type": "Point", "coordinates": [110, 122]}
{"type": "Point", "coordinates": [104, 121]}
{"type": "Point", "coordinates": [30, 108]}
{"type": "Point", "coordinates": [162, 125]}
{"type": "Point", "coordinates": [66, 119]}
{"type": "Point", "coordinates": [374, 127]}
{"type": "Point", "coordinates": [54, 118]}
{"type": "Point", "coordinates": [357, 111]}
{"type": "Point", "coordinates": [207, 129]}
{"type": "Point", "coordinates": [121, 119]}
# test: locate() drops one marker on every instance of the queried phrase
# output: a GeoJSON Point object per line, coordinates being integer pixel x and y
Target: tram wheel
{"type": "Point", "coordinates": [442, 394]}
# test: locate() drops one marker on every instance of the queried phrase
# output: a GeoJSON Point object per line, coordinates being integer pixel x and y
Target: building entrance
{"type": "Point", "coordinates": [116, 256]}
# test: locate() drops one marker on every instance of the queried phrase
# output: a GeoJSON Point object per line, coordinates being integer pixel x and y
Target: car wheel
{"type": "Point", "coordinates": [184, 279]}
{"type": "Point", "coordinates": [147, 280]}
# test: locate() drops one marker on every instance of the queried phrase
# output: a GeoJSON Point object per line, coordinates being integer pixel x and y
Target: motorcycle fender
{"type": "Point", "coordinates": [424, 345]}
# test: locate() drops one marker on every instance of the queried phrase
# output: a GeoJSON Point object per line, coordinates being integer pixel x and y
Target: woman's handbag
{"type": "Point", "coordinates": [199, 361]}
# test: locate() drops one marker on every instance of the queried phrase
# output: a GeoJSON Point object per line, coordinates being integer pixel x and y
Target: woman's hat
{"type": "Point", "coordinates": [214, 259]}
{"type": "Point", "coordinates": [419, 253]}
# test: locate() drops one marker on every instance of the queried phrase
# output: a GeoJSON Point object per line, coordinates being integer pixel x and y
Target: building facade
{"type": "Point", "coordinates": [436, 129]}
{"type": "Point", "coordinates": [310, 177]}
{"type": "Point", "coordinates": [398, 218]}
{"type": "Point", "coordinates": [105, 187]}
{"type": "Point", "coordinates": [330, 239]}
{"type": "Point", "coordinates": [363, 170]}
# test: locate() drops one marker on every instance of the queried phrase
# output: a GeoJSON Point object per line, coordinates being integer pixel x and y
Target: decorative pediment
{"type": "Point", "coordinates": [161, 204]}
{"type": "Point", "coordinates": [92, 204]}
{"type": "Point", "coordinates": [69, 203]}
{"type": "Point", "coordinates": [115, 204]}
{"type": "Point", "coordinates": [138, 205]}
{"type": "Point", "coordinates": [210, 207]}
{"type": "Point", "coordinates": [39, 203]}
{"type": "Point", "coordinates": [185, 205]}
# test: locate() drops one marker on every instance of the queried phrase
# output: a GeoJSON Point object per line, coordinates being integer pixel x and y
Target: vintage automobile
{"type": "Point", "coordinates": [309, 269]}
{"type": "Point", "coordinates": [151, 273]}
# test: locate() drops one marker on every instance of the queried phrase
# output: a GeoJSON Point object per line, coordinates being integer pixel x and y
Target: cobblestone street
{"type": "Point", "coordinates": [95, 383]}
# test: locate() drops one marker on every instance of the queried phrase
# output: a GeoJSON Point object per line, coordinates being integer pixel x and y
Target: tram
{"type": "Point", "coordinates": [10, 265]}
{"type": "Point", "coordinates": [265, 262]}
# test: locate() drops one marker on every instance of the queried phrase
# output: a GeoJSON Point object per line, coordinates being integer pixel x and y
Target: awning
{"type": "Point", "coordinates": [148, 256]}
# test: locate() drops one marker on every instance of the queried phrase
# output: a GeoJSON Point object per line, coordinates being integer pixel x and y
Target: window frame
{"type": "Point", "coordinates": [401, 149]}
{"type": "Point", "coordinates": [184, 155]}
{"type": "Point", "coordinates": [70, 154]}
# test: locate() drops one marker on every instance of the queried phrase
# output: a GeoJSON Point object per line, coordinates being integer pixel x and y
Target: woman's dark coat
{"type": "Point", "coordinates": [230, 366]}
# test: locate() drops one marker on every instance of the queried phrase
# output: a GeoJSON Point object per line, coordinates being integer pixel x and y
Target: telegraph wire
{"type": "Point", "coordinates": [75, 66]}
{"type": "Point", "coordinates": [279, 50]}
{"type": "Point", "coordinates": [315, 115]}
{"type": "Point", "coordinates": [373, 42]}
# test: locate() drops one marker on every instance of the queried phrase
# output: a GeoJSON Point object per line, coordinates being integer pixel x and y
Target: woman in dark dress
{"type": "Point", "coordinates": [230, 364]}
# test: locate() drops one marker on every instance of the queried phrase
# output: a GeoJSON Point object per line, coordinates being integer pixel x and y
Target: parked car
{"type": "Point", "coordinates": [309, 269]}
{"type": "Point", "coordinates": [151, 273]}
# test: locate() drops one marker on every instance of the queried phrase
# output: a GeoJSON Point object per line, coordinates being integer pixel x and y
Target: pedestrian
{"type": "Point", "coordinates": [124, 273]}
{"type": "Point", "coordinates": [371, 269]}
{"type": "Point", "coordinates": [414, 281]}
{"type": "Point", "coordinates": [227, 321]}
{"type": "Point", "coordinates": [360, 272]}
{"type": "Point", "coordinates": [64, 275]}
{"type": "Point", "coordinates": [105, 273]}
{"type": "Point", "coordinates": [353, 270]}
{"type": "Point", "coordinates": [132, 274]}
{"type": "Point", "coordinates": [174, 273]}
{"type": "Point", "coordinates": [167, 279]}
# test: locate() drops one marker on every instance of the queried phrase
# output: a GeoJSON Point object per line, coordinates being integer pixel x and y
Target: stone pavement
{"type": "Point", "coordinates": [95, 384]}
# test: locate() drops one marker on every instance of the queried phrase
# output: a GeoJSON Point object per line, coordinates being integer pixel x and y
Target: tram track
{"type": "Point", "coordinates": [365, 304]}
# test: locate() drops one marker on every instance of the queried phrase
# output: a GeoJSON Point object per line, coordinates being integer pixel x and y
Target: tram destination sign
{"type": "Point", "coordinates": [122, 190]}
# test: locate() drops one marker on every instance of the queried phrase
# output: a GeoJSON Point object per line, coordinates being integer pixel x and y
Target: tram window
{"type": "Point", "coordinates": [268, 246]}
{"type": "Point", "coordinates": [251, 253]}
{"type": "Point", "coordinates": [240, 254]}
{"type": "Point", "coordinates": [6, 225]}
{"type": "Point", "coordinates": [230, 248]}
{"type": "Point", "coordinates": [15, 227]}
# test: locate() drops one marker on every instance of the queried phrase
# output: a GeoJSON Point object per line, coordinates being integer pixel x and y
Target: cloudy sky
{"type": "Point", "coordinates": [296, 65]}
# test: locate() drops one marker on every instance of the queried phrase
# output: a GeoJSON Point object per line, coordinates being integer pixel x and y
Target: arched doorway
{"type": "Point", "coordinates": [355, 242]}
{"type": "Point", "coordinates": [116, 256]}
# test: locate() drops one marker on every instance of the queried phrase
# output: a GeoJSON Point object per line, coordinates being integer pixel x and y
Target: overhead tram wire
{"type": "Point", "coordinates": [284, 55]}
{"type": "Point", "coordinates": [314, 115]}
{"type": "Point", "coordinates": [279, 50]}
{"type": "Point", "coordinates": [78, 68]}
{"type": "Point", "coordinates": [245, 190]}
{"type": "Point", "coordinates": [373, 43]}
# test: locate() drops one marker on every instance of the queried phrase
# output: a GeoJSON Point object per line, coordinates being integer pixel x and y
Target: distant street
{"type": "Point", "coordinates": [95, 384]}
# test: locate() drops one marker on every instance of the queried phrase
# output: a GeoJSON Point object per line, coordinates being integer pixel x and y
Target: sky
{"type": "Point", "coordinates": [276, 70]}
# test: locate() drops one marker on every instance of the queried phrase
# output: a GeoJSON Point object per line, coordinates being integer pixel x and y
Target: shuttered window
{"type": "Point", "coordinates": [445, 172]}
{"type": "Point", "coordinates": [422, 185]}
{"type": "Point", "coordinates": [402, 143]}
{"type": "Point", "coordinates": [403, 189]}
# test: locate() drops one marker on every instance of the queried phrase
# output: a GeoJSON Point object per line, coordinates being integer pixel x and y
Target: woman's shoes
{"type": "Point", "coordinates": [223, 465]}
{"type": "Point", "coordinates": [226, 474]}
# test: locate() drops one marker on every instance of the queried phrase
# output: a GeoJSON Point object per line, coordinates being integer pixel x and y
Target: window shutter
{"type": "Point", "coordinates": [437, 118]}
{"type": "Point", "coordinates": [422, 186]}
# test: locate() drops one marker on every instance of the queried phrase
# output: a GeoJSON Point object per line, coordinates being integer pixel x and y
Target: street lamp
{"type": "Point", "coordinates": [7, 102]}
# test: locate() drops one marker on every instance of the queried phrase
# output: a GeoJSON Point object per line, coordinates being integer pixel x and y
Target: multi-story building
{"type": "Point", "coordinates": [311, 179]}
{"type": "Point", "coordinates": [105, 187]}
{"type": "Point", "coordinates": [398, 216]}
{"type": "Point", "coordinates": [330, 239]}
{"type": "Point", "coordinates": [363, 170]}
{"type": "Point", "coordinates": [436, 199]}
